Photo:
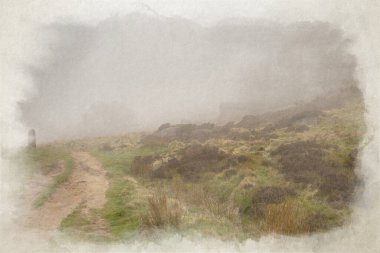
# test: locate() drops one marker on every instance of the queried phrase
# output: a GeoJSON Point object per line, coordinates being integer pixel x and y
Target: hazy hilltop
{"type": "Point", "coordinates": [289, 171]}
{"type": "Point", "coordinates": [146, 70]}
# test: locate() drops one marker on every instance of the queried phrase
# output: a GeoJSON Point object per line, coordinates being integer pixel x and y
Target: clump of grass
{"type": "Point", "coordinates": [286, 218]}
{"type": "Point", "coordinates": [206, 201]}
{"type": "Point", "coordinates": [57, 180]}
{"type": "Point", "coordinates": [295, 216]}
{"type": "Point", "coordinates": [161, 214]}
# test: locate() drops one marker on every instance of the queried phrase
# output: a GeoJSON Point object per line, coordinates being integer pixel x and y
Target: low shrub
{"type": "Point", "coordinates": [306, 162]}
{"type": "Point", "coordinates": [269, 195]}
{"type": "Point", "coordinates": [193, 161]}
{"type": "Point", "coordinates": [338, 187]}
{"type": "Point", "coordinates": [153, 141]}
{"type": "Point", "coordinates": [106, 147]}
{"type": "Point", "coordinates": [142, 165]}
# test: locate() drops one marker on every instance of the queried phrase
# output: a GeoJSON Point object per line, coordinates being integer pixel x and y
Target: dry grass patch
{"type": "Point", "coordinates": [286, 218]}
{"type": "Point", "coordinates": [161, 213]}
{"type": "Point", "coordinates": [294, 216]}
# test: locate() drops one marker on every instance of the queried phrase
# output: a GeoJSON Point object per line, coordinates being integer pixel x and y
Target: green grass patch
{"type": "Point", "coordinates": [122, 218]}
{"type": "Point", "coordinates": [123, 207]}
{"type": "Point", "coordinates": [118, 163]}
{"type": "Point", "coordinates": [268, 176]}
{"type": "Point", "coordinates": [75, 219]}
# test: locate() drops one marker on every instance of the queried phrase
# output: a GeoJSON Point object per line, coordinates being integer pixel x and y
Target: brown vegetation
{"type": "Point", "coordinates": [141, 165]}
{"type": "Point", "coordinates": [161, 213]}
{"type": "Point", "coordinates": [194, 160]}
{"type": "Point", "coordinates": [296, 217]}
{"type": "Point", "coordinates": [285, 218]}
{"type": "Point", "coordinates": [306, 162]}
{"type": "Point", "coordinates": [269, 195]}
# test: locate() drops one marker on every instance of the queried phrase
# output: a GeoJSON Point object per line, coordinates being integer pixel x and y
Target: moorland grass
{"type": "Point", "coordinates": [123, 218]}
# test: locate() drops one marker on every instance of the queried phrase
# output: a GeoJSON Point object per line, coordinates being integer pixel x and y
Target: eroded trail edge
{"type": "Point", "coordinates": [86, 188]}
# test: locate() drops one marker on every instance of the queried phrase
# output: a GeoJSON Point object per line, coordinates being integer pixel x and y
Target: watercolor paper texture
{"type": "Point", "coordinates": [182, 126]}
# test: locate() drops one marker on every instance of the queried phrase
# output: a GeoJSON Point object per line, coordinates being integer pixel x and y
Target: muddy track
{"type": "Point", "coordinates": [86, 187]}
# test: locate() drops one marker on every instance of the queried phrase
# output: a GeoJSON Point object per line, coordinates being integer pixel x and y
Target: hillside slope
{"type": "Point", "coordinates": [289, 172]}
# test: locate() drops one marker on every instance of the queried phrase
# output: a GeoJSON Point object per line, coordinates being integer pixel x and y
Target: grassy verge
{"type": "Point", "coordinates": [57, 180]}
{"type": "Point", "coordinates": [124, 205]}
{"type": "Point", "coordinates": [75, 219]}
{"type": "Point", "coordinates": [122, 218]}
{"type": "Point", "coordinates": [84, 224]}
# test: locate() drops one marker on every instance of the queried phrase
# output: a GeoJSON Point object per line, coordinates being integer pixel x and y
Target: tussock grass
{"type": "Point", "coordinates": [296, 216]}
{"type": "Point", "coordinates": [161, 214]}
{"type": "Point", "coordinates": [286, 218]}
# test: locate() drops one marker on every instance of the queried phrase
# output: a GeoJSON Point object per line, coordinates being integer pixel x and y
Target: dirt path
{"type": "Point", "coordinates": [86, 187]}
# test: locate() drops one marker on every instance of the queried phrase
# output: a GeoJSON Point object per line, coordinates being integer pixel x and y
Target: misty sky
{"type": "Point", "coordinates": [139, 71]}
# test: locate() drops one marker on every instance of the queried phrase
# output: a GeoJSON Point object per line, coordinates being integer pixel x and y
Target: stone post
{"type": "Point", "coordinates": [32, 138]}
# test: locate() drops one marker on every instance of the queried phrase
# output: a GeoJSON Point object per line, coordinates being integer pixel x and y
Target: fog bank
{"type": "Point", "coordinates": [138, 71]}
